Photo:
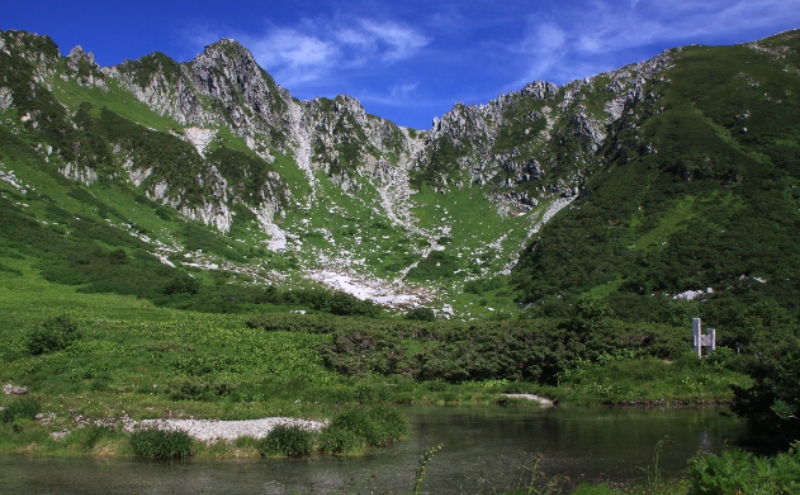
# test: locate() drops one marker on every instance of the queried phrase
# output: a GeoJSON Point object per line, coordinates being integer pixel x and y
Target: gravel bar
{"type": "Point", "coordinates": [210, 431]}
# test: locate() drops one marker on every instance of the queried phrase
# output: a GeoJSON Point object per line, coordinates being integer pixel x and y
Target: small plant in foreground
{"type": "Point", "coordinates": [161, 444]}
{"type": "Point", "coordinates": [288, 441]}
{"type": "Point", "coordinates": [736, 471]}
{"type": "Point", "coordinates": [423, 466]}
{"type": "Point", "coordinates": [23, 408]}
{"type": "Point", "coordinates": [537, 485]}
{"type": "Point", "coordinates": [654, 478]}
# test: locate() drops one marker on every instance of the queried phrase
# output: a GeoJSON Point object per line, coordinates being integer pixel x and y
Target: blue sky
{"type": "Point", "coordinates": [408, 60]}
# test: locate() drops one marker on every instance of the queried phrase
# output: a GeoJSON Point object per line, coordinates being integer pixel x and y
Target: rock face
{"type": "Point", "coordinates": [225, 86]}
{"type": "Point", "coordinates": [541, 136]}
{"type": "Point", "coordinates": [535, 143]}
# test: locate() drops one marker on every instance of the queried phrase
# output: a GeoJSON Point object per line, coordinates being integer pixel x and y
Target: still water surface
{"type": "Point", "coordinates": [483, 449]}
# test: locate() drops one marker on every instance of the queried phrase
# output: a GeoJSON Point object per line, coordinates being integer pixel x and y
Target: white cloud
{"type": "Point", "coordinates": [401, 41]}
{"type": "Point", "coordinates": [295, 57]}
{"type": "Point", "coordinates": [543, 46]}
{"type": "Point", "coordinates": [316, 49]}
{"type": "Point", "coordinates": [594, 37]}
{"type": "Point", "coordinates": [399, 94]}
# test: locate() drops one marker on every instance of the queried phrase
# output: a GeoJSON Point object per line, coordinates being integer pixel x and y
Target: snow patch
{"type": "Point", "coordinates": [364, 289]}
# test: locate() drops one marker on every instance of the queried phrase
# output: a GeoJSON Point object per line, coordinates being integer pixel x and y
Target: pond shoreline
{"type": "Point", "coordinates": [217, 438]}
{"type": "Point", "coordinates": [482, 444]}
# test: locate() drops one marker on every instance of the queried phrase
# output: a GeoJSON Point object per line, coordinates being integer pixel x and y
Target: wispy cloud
{"type": "Point", "coordinates": [399, 94]}
{"type": "Point", "coordinates": [543, 46]}
{"type": "Point", "coordinates": [294, 56]}
{"type": "Point", "coordinates": [597, 36]}
{"type": "Point", "coordinates": [318, 48]}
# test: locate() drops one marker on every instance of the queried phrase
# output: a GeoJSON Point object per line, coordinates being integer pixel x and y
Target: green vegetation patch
{"type": "Point", "coordinates": [160, 444]}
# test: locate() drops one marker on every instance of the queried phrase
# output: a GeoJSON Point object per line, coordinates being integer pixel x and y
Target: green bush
{"type": "Point", "coordinates": [736, 471]}
{"type": "Point", "coordinates": [376, 426]}
{"type": "Point", "coordinates": [22, 408]}
{"type": "Point", "coordinates": [773, 401]}
{"type": "Point", "coordinates": [535, 350]}
{"type": "Point", "coordinates": [724, 358]}
{"type": "Point", "coordinates": [161, 444]}
{"type": "Point", "coordinates": [182, 284]}
{"type": "Point", "coordinates": [421, 314]}
{"type": "Point", "coordinates": [336, 440]}
{"type": "Point", "coordinates": [54, 334]}
{"type": "Point", "coordinates": [287, 441]}
{"type": "Point", "coordinates": [391, 422]}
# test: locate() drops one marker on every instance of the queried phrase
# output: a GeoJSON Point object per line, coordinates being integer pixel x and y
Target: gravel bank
{"type": "Point", "coordinates": [210, 431]}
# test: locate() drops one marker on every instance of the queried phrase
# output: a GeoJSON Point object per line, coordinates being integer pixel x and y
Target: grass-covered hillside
{"type": "Point", "coordinates": [698, 190]}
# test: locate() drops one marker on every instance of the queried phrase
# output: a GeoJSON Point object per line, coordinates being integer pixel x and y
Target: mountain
{"type": "Point", "coordinates": [662, 177]}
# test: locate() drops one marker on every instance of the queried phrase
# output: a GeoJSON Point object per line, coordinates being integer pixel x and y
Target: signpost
{"type": "Point", "coordinates": [699, 340]}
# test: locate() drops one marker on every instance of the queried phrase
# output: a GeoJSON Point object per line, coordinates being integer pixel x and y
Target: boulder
{"type": "Point", "coordinates": [9, 389]}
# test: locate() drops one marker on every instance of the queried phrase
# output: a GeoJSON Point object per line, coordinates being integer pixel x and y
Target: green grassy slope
{"type": "Point", "coordinates": [698, 190]}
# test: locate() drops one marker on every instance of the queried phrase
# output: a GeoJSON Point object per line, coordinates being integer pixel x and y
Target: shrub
{"type": "Point", "coordinates": [724, 358]}
{"type": "Point", "coordinates": [421, 314]}
{"type": "Point", "coordinates": [357, 423]}
{"type": "Point", "coordinates": [376, 426]}
{"type": "Point", "coordinates": [54, 334]}
{"type": "Point", "coordinates": [336, 440]}
{"type": "Point", "coordinates": [287, 441]}
{"type": "Point", "coordinates": [182, 284]}
{"type": "Point", "coordinates": [392, 423]}
{"type": "Point", "coordinates": [22, 408]}
{"type": "Point", "coordinates": [161, 444]}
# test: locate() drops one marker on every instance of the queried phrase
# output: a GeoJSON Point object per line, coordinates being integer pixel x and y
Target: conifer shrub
{"type": "Point", "coordinates": [287, 441]}
{"type": "Point", "coordinates": [160, 444]}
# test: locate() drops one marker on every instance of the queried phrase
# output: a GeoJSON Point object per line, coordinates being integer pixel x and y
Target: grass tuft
{"type": "Point", "coordinates": [160, 444]}
{"type": "Point", "coordinates": [287, 441]}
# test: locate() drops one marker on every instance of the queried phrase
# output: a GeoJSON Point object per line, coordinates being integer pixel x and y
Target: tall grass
{"type": "Point", "coordinates": [287, 441]}
{"type": "Point", "coordinates": [161, 444]}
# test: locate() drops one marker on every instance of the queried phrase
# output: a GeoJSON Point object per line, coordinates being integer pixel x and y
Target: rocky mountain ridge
{"type": "Point", "coordinates": [225, 84]}
{"type": "Point", "coordinates": [321, 186]}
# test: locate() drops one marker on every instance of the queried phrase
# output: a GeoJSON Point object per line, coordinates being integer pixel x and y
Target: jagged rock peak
{"type": "Point", "coordinates": [77, 53]}
{"type": "Point", "coordinates": [225, 51]}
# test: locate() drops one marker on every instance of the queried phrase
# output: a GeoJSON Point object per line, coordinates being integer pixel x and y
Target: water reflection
{"type": "Point", "coordinates": [483, 448]}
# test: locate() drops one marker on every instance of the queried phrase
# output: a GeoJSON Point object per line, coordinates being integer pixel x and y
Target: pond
{"type": "Point", "coordinates": [483, 448]}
